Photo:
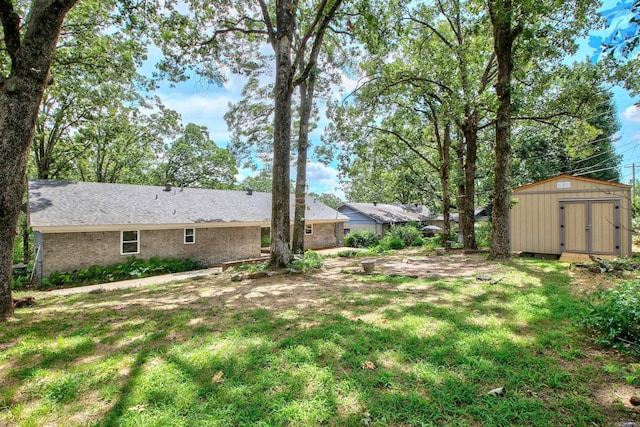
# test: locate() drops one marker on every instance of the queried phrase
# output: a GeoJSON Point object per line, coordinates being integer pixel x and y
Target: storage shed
{"type": "Point", "coordinates": [571, 214]}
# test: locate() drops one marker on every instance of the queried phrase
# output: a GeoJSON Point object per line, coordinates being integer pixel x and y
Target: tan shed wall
{"type": "Point", "coordinates": [71, 251]}
{"type": "Point", "coordinates": [535, 219]}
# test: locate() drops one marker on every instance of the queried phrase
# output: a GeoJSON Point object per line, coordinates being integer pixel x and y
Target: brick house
{"type": "Point", "coordinates": [79, 224]}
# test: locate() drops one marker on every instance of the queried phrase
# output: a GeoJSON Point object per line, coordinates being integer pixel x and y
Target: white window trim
{"type": "Point", "coordinates": [185, 236]}
{"type": "Point", "coordinates": [122, 242]}
{"type": "Point", "coordinates": [305, 230]}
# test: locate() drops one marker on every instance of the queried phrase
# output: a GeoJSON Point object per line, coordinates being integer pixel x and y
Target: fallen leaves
{"type": "Point", "coordinates": [218, 378]}
{"type": "Point", "coordinates": [368, 365]}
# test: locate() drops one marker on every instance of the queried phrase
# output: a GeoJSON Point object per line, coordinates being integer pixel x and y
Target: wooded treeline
{"type": "Point", "coordinates": [457, 101]}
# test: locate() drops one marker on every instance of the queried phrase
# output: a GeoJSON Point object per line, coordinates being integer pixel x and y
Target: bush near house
{"type": "Point", "coordinates": [408, 234]}
{"type": "Point", "coordinates": [311, 261]}
{"type": "Point", "coordinates": [132, 269]}
{"type": "Point", "coordinates": [361, 239]}
{"type": "Point", "coordinates": [399, 237]}
{"type": "Point", "coordinates": [391, 242]}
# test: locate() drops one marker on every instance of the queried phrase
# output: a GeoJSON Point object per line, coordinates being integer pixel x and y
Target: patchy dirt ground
{"type": "Point", "coordinates": [297, 292]}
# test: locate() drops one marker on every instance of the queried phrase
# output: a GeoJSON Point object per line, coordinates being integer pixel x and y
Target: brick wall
{"type": "Point", "coordinates": [325, 236]}
{"type": "Point", "coordinates": [71, 251]}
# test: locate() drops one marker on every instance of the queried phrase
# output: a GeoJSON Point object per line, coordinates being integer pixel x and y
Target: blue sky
{"type": "Point", "coordinates": [206, 104]}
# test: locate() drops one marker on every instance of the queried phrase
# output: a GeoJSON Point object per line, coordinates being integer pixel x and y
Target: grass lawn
{"type": "Point", "coordinates": [331, 348]}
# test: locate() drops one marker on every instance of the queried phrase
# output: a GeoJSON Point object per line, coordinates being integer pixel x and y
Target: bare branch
{"type": "Point", "coordinates": [267, 21]}
{"type": "Point", "coordinates": [454, 28]}
{"type": "Point", "coordinates": [434, 31]}
{"type": "Point", "coordinates": [489, 73]}
{"type": "Point", "coordinates": [308, 34]}
{"type": "Point", "coordinates": [233, 27]}
{"type": "Point", "coordinates": [337, 31]}
{"type": "Point", "coordinates": [406, 143]}
{"type": "Point", "coordinates": [317, 44]}
{"type": "Point", "coordinates": [545, 119]}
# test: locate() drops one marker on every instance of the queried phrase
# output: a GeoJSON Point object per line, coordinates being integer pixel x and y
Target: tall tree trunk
{"type": "Point", "coordinates": [444, 181]}
{"type": "Point", "coordinates": [26, 250]}
{"type": "Point", "coordinates": [468, 206]}
{"type": "Point", "coordinates": [306, 104]}
{"type": "Point", "coordinates": [20, 96]}
{"type": "Point", "coordinates": [501, 12]}
{"type": "Point", "coordinates": [460, 155]}
{"type": "Point", "coordinates": [280, 214]}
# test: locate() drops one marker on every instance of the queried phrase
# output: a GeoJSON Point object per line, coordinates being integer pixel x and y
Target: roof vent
{"type": "Point", "coordinates": [249, 191]}
{"type": "Point", "coordinates": [375, 203]}
{"type": "Point", "coordinates": [415, 204]}
{"type": "Point", "coordinates": [167, 186]}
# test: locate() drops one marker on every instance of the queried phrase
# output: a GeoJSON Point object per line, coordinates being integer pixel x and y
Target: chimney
{"type": "Point", "coordinates": [249, 191]}
{"type": "Point", "coordinates": [167, 186]}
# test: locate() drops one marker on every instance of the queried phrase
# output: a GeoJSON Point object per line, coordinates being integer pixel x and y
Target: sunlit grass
{"type": "Point", "coordinates": [394, 351]}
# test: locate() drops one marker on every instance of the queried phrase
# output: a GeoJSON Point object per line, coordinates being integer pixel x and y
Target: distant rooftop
{"type": "Point", "coordinates": [386, 213]}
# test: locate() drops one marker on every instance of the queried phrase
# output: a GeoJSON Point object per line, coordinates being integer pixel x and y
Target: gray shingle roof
{"type": "Point", "coordinates": [385, 213]}
{"type": "Point", "coordinates": [66, 203]}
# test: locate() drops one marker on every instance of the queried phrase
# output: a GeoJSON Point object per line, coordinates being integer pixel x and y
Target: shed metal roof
{"type": "Point", "coordinates": [578, 178]}
{"type": "Point", "coordinates": [91, 204]}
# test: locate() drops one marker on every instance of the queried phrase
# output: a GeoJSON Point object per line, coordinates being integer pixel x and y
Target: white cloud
{"type": "Point", "coordinates": [244, 173]}
{"type": "Point", "coordinates": [348, 84]}
{"type": "Point", "coordinates": [204, 109]}
{"type": "Point", "coordinates": [632, 114]}
{"type": "Point", "coordinates": [323, 179]}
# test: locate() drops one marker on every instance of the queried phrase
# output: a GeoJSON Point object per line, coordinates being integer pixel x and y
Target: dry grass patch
{"type": "Point", "coordinates": [289, 350]}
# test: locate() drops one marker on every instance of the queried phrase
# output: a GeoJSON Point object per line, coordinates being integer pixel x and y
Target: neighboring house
{"type": "Point", "coordinates": [378, 217]}
{"type": "Point", "coordinates": [571, 214]}
{"type": "Point", "coordinates": [79, 224]}
{"type": "Point", "coordinates": [480, 215]}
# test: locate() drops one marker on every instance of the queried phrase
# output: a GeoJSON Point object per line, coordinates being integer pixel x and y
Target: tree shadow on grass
{"type": "Point", "coordinates": [431, 362]}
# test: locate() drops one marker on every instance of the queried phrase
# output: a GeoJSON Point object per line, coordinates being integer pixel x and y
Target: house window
{"type": "Point", "coordinates": [347, 231]}
{"type": "Point", "coordinates": [130, 242]}
{"type": "Point", "coordinates": [189, 236]}
{"type": "Point", "coordinates": [308, 229]}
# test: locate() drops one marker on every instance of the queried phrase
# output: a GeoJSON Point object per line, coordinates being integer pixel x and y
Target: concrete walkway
{"type": "Point", "coordinates": [126, 284]}
{"type": "Point", "coordinates": [147, 281]}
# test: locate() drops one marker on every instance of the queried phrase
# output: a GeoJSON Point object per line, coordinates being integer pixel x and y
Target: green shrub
{"type": "Point", "coordinates": [310, 261]}
{"type": "Point", "coordinates": [483, 235]}
{"type": "Point", "coordinates": [430, 243]}
{"type": "Point", "coordinates": [132, 268]}
{"type": "Point", "coordinates": [361, 239]}
{"type": "Point", "coordinates": [348, 253]}
{"type": "Point", "coordinates": [390, 242]}
{"type": "Point", "coordinates": [375, 250]}
{"type": "Point", "coordinates": [406, 233]}
{"type": "Point", "coordinates": [615, 314]}
{"type": "Point", "coordinates": [18, 282]}
{"type": "Point", "coordinates": [418, 242]}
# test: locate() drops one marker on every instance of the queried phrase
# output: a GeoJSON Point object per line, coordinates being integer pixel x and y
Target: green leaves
{"type": "Point", "coordinates": [194, 160]}
{"type": "Point", "coordinates": [614, 314]}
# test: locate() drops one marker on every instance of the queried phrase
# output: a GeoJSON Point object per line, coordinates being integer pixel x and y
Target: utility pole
{"type": "Point", "coordinates": [633, 177]}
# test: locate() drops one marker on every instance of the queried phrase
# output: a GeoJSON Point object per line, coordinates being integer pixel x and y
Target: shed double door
{"type": "Point", "coordinates": [590, 226]}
